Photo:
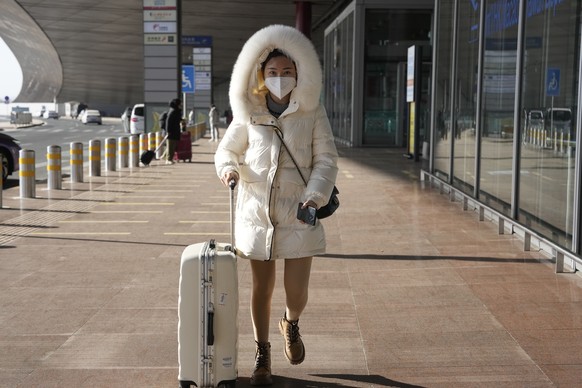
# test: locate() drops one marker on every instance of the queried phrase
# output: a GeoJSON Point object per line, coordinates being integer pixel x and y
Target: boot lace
{"type": "Point", "coordinates": [262, 356]}
{"type": "Point", "coordinates": [292, 332]}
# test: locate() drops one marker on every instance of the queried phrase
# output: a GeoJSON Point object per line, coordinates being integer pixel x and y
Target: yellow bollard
{"type": "Point", "coordinates": [110, 144]}
{"type": "Point", "coordinates": [143, 143]}
{"type": "Point", "coordinates": [95, 157]}
{"type": "Point", "coordinates": [54, 168]}
{"type": "Point", "coordinates": [133, 151]}
{"type": "Point", "coordinates": [160, 151]}
{"type": "Point", "coordinates": [76, 162]}
{"type": "Point", "coordinates": [27, 173]}
{"type": "Point", "coordinates": [122, 152]}
{"type": "Point", "coordinates": [151, 141]}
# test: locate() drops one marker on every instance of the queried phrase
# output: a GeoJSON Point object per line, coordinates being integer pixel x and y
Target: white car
{"type": "Point", "coordinates": [137, 120]}
{"type": "Point", "coordinates": [51, 114]}
{"type": "Point", "coordinates": [91, 116]}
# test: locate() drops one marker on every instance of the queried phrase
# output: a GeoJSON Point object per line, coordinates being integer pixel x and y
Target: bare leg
{"type": "Point", "coordinates": [296, 280]}
{"type": "Point", "coordinates": [261, 295]}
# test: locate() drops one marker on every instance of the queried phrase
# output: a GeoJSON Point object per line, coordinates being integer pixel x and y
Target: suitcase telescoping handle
{"type": "Point", "coordinates": [232, 185]}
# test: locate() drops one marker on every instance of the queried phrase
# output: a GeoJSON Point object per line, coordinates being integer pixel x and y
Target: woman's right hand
{"type": "Point", "coordinates": [229, 176]}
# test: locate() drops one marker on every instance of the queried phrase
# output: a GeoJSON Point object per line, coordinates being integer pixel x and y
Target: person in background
{"type": "Point", "coordinates": [174, 125]}
{"type": "Point", "coordinates": [276, 85]}
{"type": "Point", "coordinates": [191, 117]}
{"type": "Point", "coordinates": [214, 120]}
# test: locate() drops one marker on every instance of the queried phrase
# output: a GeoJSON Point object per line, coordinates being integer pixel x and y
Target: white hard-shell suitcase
{"type": "Point", "coordinates": [208, 312]}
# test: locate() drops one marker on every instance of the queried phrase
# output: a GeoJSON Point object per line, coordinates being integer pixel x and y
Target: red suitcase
{"type": "Point", "coordinates": [184, 147]}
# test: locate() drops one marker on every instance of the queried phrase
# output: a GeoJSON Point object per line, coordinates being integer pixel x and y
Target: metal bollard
{"type": "Point", "coordinates": [110, 154]}
{"type": "Point", "coordinates": [122, 152]}
{"type": "Point", "coordinates": [151, 141]}
{"type": "Point", "coordinates": [133, 151]}
{"type": "Point", "coordinates": [159, 138]}
{"type": "Point", "coordinates": [76, 162]}
{"type": "Point", "coordinates": [95, 158]}
{"type": "Point", "coordinates": [143, 143]}
{"type": "Point", "coordinates": [54, 168]}
{"type": "Point", "coordinates": [27, 174]}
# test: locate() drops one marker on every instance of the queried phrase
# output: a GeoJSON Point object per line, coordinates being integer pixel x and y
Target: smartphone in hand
{"type": "Point", "coordinates": [306, 215]}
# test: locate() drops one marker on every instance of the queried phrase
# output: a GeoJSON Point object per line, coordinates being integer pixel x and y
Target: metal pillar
{"type": "Point", "coordinates": [95, 157]}
{"type": "Point", "coordinates": [27, 173]}
{"type": "Point", "coordinates": [122, 151]}
{"type": "Point", "coordinates": [110, 144]}
{"type": "Point", "coordinates": [133, 151]}
{"type": "Point", "coordinates": [54, 168]}
{"type": "Point", "coordinates": [76, 162]}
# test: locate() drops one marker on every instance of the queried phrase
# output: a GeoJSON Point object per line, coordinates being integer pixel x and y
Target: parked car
{"type": "Point", "coordinates": [51, 114]}
{"type": "Point", "coordinates": [9, 153]}
{"type": "Point", "coordinates": [91, 116]}
{"type": "Point", "coordinates": [559, 121]}
{"type": "Point", "coordinates": [125, 117]}
{"type": "Point", "coordinates": [137, 120]}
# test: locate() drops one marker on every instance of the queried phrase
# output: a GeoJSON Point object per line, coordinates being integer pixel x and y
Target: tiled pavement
{"type": "Point", "coordinates": [413, 292]}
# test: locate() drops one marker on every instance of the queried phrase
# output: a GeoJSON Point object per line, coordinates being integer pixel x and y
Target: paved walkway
{"type": "Point", "coordinates": [413, 292]}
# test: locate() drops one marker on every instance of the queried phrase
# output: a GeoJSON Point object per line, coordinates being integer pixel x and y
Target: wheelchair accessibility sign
{"type": "Point", "coordinates": [553, 82]}
{"type": "Point", "coordinates": [188, 85]}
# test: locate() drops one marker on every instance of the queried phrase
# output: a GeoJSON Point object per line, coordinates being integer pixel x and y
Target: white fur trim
{"type": "Point", "coordinates": [244, 75]}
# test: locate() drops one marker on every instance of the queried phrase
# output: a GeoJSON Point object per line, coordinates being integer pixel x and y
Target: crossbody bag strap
{"type": "Point", "coordinates": [280, 135]}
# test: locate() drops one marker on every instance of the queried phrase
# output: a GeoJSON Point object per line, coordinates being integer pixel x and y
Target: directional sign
{"type": "Point", "coordinates": [7, 100]}
{"type": "Point", "coordinates": [188, 84]}
{"type": "Point", "coordinates": [553, 82]}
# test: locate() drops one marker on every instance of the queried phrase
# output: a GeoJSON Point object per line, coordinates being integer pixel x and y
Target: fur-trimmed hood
{"type": "Point", "coordinates": [247, 90]}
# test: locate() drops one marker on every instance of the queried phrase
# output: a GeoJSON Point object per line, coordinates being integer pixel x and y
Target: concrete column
{"type": "Point", "coordinates": [303, 17]}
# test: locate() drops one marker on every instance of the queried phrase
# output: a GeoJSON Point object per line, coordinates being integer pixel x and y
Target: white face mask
{"type": "Point", "coordinates": [280, 86]}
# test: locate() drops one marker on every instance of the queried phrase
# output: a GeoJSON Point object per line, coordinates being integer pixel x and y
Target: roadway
{"type": "Point", "coordinates": [61, 132]}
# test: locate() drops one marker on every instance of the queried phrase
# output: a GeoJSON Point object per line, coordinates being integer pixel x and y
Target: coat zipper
{"type": "Point", "coordinates": [270, 207]}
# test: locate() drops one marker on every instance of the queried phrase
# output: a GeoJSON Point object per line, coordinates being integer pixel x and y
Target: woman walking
{"type": "Point", "coordinates": [274, 95]}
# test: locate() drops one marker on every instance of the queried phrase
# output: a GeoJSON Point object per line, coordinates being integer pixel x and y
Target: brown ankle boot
{"type": "Point", "coordinates": [294, 349]}
{"type": "Point", "coordinates": [262, 373]}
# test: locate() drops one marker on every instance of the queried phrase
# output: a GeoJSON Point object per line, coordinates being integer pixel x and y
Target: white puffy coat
{"type": "Point", "coordinates": [270, 187]}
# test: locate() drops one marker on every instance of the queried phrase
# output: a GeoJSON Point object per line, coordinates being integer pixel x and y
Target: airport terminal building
{"type": "Point", "coordinates": [497, 113]}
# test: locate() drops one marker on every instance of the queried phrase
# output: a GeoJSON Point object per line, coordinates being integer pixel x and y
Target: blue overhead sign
{"type": "Point", "coordinates": [197, 41]}
{"type": "Point", "coordinates": [553, 82]}
{"type": "Point", "coordinates": [188, 84]}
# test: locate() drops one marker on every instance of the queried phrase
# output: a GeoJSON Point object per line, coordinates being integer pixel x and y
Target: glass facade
{"type": "Point", "coordinates": [549, 102]}
{"type": "Point", "coordinates": [442, 69]}
{"type": "Point", "coordinates": [520, 163]}
{"type": "Point", "coordinates": [365, 57]}
{"type": "Point", "coordinates": [338, 74]}
{"type": "Point", "coordinates": [388, 34]}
